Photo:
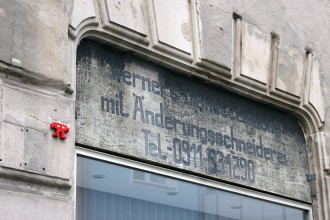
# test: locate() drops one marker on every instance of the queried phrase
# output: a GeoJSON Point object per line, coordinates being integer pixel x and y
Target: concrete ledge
{"type": "Point", "coordinates": [37, 78]}
{"type": "Point", "coordinates": [8, 173]}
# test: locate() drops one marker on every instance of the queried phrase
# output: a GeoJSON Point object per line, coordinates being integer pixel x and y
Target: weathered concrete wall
{"type": "Point", "coordinates": [36, 170]}
{"type": "Point", "coordinates": [38, 39]}
{"type": "Point", "coordinates": [34, 36]}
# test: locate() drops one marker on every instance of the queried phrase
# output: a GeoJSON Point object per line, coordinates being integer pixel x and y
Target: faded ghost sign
{"type": "Point", "coordinates": [130, 106]}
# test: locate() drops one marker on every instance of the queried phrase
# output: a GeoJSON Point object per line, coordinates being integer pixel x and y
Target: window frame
{"type": "Point", "coordinates": [188, 177]}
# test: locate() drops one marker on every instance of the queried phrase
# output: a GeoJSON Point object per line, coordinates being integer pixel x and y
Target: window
{"type": "Point", "coordinates": [110, 188]}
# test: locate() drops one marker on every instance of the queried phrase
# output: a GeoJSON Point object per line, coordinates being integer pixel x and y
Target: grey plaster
{"type": "Point", "coordinates": [34, 35]}
{"type": "Point", "coordinates": [16, 205]}
{"type": "Point", "coordinates": [216, 21]}
{"type": "Point", "coordinates": [27, 140]}
{"type": "Point", "coordinates": [5, 34]}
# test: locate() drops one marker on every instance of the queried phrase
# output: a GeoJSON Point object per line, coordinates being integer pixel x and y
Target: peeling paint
{"type": "Point", "coordinates": [2, 12]}
{"type": "Point", "coordinates": [186, 31]}
{"type": "Point", "coordinates": [16, 61]}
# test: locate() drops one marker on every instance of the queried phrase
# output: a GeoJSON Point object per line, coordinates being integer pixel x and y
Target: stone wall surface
{"type": "Point", "coordinates": [35, 36]}
{"type": "Point", "coordinates": [275, 52]}
{"type": "Point", "coordinates": [36, 169]}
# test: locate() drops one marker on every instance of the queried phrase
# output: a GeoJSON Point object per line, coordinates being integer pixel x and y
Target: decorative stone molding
{"type": "Point", "coordinates": [127, 19]}
{"type": "Point", "coordinates": [251, 55]}
{"type": "Point", "coordinates": [212, 40]}
{"type": "Point", "coordinates": [313, 98]}
{"type": "Point", "coordinates": [319, 164]}
{"type": "Point", "coordinates": [170, 27]}
{"type": "Point", "coordinates": [83, 15]}
{"type": "Point", "coordinates": [262, 67]}
{"type": "Point", "coordinates": [288, 75]}
{"type": "Point", "coordinates": [82, 10]}
{"type": "Point", "coordinates": [291, 82]}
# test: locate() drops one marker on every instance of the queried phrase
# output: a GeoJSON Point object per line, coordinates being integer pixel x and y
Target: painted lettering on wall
{"type": "Point", "coordinates": [183, 152]}
{"type": "Point", "coordinates": [133, 107]}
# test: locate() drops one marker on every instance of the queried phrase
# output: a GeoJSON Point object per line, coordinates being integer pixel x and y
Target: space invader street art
{"type": "Point", "coordinates": [60, 130]}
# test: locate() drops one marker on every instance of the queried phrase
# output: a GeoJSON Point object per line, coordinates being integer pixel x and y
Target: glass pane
{"type": "Point", "coordinates": [113, 192]}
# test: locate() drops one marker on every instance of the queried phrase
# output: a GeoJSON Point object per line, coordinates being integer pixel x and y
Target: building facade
{"type": "Point", "coordinates": [179, 109]}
